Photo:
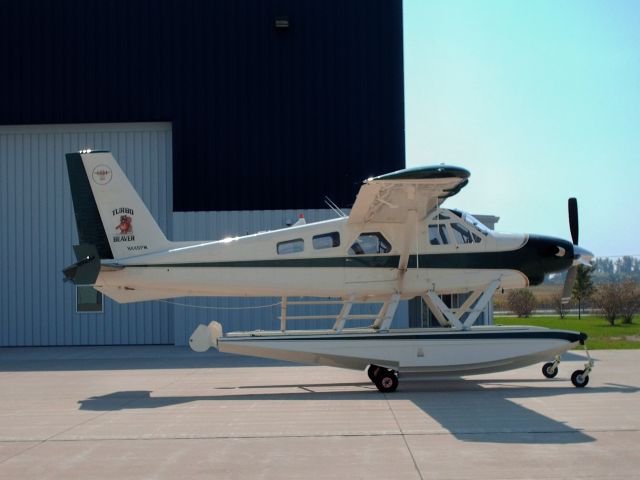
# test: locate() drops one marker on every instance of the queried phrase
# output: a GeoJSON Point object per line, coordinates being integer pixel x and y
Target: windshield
{"type": "Point", "coordinates": [476, 223]}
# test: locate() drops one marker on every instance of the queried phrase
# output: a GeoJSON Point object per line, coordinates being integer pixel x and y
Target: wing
{"type": "Point", "coordinates": [388, 198]}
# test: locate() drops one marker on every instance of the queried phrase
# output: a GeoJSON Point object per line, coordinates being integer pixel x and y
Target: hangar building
{"type": "Point", "coordinates": [224, 114]}
{"type": "Point", "coordinates": [229, 117]}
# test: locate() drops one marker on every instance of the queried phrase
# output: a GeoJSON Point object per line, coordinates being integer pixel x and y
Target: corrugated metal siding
{"type": "Point", "coordinates": [262, 119]}
{"type": "Point", "coordinates": [37, 231]}
{"type": "Point", "coordinates": [237, 313]}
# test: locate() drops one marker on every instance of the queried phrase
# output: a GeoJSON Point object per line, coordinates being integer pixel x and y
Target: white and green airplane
{"type": "Point", "coordinates": [396, 243]}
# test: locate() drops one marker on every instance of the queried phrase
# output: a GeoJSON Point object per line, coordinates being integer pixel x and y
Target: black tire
{"type": "Point", "coordinates": [579, 379]}
{"type": "Point", "coordinates": [372, 371]}
{"type": "Point", "coordinates": [548, 370]}
{"type": "Point", "coordinates": [386, 381]}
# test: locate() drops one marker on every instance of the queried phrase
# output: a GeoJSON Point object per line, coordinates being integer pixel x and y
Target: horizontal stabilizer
{"type": "Point", "coordinates": [124, 294]}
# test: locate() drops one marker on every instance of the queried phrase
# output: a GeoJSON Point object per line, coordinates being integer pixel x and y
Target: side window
{"type": "Point", "coordinates": [326, 240]}
{"type": "Point", "coordinates": [368, 243]}
{"type": "Point", "coordinates": [438, 235]}
{"type": "Point", "coordinates": [291, 246]}
{"type": "Point", "coordinates": [461, 234]}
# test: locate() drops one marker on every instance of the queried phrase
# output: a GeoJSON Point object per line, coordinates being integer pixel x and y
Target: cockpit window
{"type": "Point", "coordinates": [482, 228]}
{"type": "Point", "coordinates": [461, 234]}
{"type": "Point", "coordinates": [438, 235]}
{"type": "Point", "coordinates": [368, 243]}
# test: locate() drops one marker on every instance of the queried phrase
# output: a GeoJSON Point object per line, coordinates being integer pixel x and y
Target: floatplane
{"type": "Point", "coordinates": [397, 243]}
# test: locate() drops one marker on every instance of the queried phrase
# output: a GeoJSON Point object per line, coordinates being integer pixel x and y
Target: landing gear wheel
{"type": "Point", "coordinates": [579, 379]}
{"type": "Point", "coordinates": [386, 381]}
{"type": "Point", "coordinates": [372, 372]}
{"type": "Point", "coordinates": [549, 371]}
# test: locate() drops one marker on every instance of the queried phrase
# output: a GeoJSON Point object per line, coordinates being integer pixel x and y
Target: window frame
{"type": "Point", "coordinates": [381, 238]}
{"type": "Point", "coordinates": [458, 234]}
{"type": "Point", "coordinates": [333, 235]}
{"type": "Point", "coordinates": [290, 242]}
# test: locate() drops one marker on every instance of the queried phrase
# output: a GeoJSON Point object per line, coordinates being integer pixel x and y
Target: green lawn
{"type": "Point", "coordinates": [601, 334]}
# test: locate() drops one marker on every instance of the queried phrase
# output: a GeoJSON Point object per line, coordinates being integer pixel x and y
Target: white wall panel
{"type": "Point", "coordinates": [37, 231]}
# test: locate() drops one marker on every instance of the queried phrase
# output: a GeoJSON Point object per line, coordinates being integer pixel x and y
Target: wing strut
{"type": "Point", "coordinates": [473, 306]}
{"type": "Point", "coordinates": [381, 319]}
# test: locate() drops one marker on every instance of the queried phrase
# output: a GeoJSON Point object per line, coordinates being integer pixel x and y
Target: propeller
{"type": "Point", "coordinates": [573, 270]}
{"type": "Point", "coordinates": [568, 283]}
{"type": "Point", "coordinates": [573, 219]}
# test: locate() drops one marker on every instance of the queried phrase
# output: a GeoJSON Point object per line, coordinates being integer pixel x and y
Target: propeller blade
{"type": "Point", "coordinates": [573, 219]}
{"type": "Point", "coordinates": [568, 283]}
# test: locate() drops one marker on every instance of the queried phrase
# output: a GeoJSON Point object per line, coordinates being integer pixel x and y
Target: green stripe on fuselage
{"type": "Point", "coordinates": [387, 261]}
{"type": "Point", "coordinates": [535, 259]}
{"type": "Point", "coordinates": [494, 260]}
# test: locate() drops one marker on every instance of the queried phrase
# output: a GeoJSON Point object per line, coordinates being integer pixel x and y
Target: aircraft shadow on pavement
{"type": "Point", "coordinates": [465, 408]}
{"type": "Point", "coordinates": [79, 359]}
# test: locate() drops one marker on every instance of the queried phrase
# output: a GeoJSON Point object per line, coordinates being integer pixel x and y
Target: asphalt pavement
{"type": "Point", "coordinates": [166, 412]}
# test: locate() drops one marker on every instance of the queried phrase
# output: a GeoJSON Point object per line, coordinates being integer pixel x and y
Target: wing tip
{"type": "Point", "coordinates": [425, 173]}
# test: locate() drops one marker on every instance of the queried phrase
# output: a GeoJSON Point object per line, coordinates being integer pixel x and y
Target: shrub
{"type": "Point", "coordinates": [521, 302]}
{"type": "Point", "coordinates": [560, 308]}
{"type": "Point", "coordinates": [583, 286]}
{"type": "Point", "coordinates": [629, 300]}
{"type": "Point", "coordinates": [500, 303]}
{"type": "Point", "coordinates": [607, 298]}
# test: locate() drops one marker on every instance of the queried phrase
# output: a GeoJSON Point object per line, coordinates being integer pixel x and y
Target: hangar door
{"type": "Point", "coordinates": [37, 231]}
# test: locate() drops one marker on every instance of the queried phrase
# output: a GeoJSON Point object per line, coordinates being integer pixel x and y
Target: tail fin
{"type": "Point", "coordinates": [109, 213]}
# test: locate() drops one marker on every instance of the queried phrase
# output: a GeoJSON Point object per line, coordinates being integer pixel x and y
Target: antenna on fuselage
{"type": "Point", "coordinates": [331, 204]}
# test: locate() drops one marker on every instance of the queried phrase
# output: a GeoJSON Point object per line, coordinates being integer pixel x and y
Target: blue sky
{"type": "Point", "coordinates": [540, 100]}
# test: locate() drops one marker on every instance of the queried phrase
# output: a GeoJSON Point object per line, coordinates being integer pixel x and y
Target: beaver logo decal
{"type": "Point", "coordinates": [125, 226]}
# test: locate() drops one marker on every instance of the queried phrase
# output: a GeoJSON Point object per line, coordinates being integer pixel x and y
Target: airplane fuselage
{"type": "Point", "coordinates": [334, 258]}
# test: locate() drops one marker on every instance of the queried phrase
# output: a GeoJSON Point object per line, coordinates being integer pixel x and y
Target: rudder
{"type": "Point", "coordinates": [109, 212]}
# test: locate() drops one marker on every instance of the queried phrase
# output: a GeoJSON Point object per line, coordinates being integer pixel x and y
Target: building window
{"type": "Point", "coordinates": [88, 299]}
{"type": "Point", "coordinates": [291, 246]}
{"type": "Point", "coordinates": [327, 240]}
{"type": "Point", "coordinates": [368, 243]}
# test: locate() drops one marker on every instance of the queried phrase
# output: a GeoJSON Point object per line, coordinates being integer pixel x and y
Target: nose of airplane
{"type": "Point", "coordinates": [543, 255]}
{"type": "Point", "coordinates": [553, 248]}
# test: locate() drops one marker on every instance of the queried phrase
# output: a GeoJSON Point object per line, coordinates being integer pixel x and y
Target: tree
{"type": "Point", "coordinates": [559, 306]}
{"type": "Point", "coordinates": [629, 299]}
{"type": "Point", "coordinates": [624, 266]}
{"type": "Point", "coordinates": [583, 286]}
{"type": "Point", "coordinates": [607, 298]}
{"type": "Point", "coordinates": [521, 302]}
{"type": "Point", "coordinates": [607, 271]}
{"type": "Point", "coordinates": [604, 270]}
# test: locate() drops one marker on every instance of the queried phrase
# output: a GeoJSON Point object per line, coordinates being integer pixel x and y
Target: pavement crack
{"type": "Point", "coordinates": [404, 438]}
